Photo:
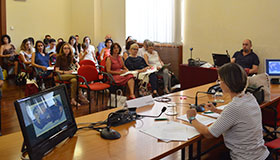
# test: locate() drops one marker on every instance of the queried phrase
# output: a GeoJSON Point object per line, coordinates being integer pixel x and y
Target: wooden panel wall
{"type": "Point", "coordinates": [170, 54]}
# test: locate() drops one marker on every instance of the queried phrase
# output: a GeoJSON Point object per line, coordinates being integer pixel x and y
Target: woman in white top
{"type": "Point", "coordinates": [153, 60]}
{"type": "Point", "coordinates": [240, 122]}
{"type": "Point", "coordinates": [90, 47]}
{"type": "Point", "coordinates": [25, 52]}
{"type": "Point", "coordinates": [87, 54]}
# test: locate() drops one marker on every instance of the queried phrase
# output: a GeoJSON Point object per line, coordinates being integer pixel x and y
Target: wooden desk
{"type": "Point", "coordinates": [87, 144]}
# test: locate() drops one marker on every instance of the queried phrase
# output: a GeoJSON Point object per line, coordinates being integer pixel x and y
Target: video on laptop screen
{"type": "Point", "coordinates": [44, 114]}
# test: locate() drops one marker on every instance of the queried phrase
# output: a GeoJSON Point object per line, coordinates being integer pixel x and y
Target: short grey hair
{"type": "Point", "coordinates": [150, 44]}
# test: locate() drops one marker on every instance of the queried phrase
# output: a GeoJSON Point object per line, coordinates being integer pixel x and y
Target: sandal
{"type": "Point", "coordinates": [75, 103]}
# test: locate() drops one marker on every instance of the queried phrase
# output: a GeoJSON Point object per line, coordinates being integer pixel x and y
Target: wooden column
{"type": "Point", "coordinates": [3, 29]}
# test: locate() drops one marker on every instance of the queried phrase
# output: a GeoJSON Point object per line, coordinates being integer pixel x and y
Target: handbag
{"type": "Point", "coordinates": [261, 80]}
{"type": "Point", "coordinates": [258, 93]}
{"type": "Point", "coordinates": [117, 100]}
{"type": "Point", "coordinates": [31, 87]}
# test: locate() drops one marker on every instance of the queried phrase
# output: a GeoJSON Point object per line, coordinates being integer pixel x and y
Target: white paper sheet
{"type": "Point", "coordinates": [171, 131]}
{"type": "Point", "coordinates": [221, 107]}
{"type": "Point", "coordinates": [214, 115]}
{"type": "Point", "coordinates": [202, 119]}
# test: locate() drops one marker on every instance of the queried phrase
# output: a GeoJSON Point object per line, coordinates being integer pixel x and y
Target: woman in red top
{"type": "Point", "coordinates": [115, 66]}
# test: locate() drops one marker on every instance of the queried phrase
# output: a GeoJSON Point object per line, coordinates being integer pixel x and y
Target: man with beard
{"type": "Point", "coordinates": [247, 58]}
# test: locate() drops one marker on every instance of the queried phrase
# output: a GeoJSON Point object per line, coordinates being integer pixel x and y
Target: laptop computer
{"type": "Point", "coordinates": [220, 59]}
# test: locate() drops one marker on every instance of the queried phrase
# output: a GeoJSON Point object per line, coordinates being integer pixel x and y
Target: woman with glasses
{"type": "Point", "coordinates": [64, 65]}
{"type": "Point", "coordinates": [240, 122]}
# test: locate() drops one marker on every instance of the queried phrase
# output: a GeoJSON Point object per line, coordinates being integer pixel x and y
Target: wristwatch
{"type": "Point", "coordinates": [191, 119]}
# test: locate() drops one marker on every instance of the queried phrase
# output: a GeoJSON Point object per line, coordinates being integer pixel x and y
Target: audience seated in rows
{"type": "Point", "coordinates": [8, 53]}
{"type": "Point", "coordinates": [105, 52]}
{"type": "Point", "coordinates": [153, 60]}
{"type": "Point", "coordinates": [115, 66]}
{"type": "Point", "coordinates": [134, 62]}
{"type": "Point", "coordinates": [102, 45]}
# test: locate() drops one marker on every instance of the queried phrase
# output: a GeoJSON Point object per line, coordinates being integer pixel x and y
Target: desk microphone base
{"type": "Point", "coordinates": [108, 133]}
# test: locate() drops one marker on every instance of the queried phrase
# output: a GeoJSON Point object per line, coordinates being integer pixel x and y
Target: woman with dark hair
{"type": "Point", "coordinates": [40, 59]}
{"type": "Point", "coordinates": [64, 62]}
{"type": "Point", "coordinates": [115, 66]}
{"type": "Point", "coordinates": [72, 41]}
{"type": "Point", "coordinates": [91, 48]}
{"type": "Point", "coordinates": [240, 122]}
{"type": "Point", "coordinates": [8, 53]}
{"type": "Point", "coordinates": [105, 52]}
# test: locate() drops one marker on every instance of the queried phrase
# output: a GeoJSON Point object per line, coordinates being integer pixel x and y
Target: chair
{"type": "Point", "coordinates": [271, 118]}
{"type": "Point", "coordinates": [274, 146]}
{"type": "Point", "coordinates": [87, 77]}
{"type": "Point", "coordinates": [43, 81]}
{"type": "Point", "coordinates": [86, 62]}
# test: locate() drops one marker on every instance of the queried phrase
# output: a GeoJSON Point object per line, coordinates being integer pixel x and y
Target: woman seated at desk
{"type": "Point", "coordinates": [240, 121]}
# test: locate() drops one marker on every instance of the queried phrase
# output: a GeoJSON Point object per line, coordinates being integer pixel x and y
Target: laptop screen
{"type": "Point", "coordinates": [220, 59]}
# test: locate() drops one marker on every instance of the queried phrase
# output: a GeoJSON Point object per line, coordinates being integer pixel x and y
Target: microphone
{"type": "Point", "coordinates": [142, 116]}
{"type": "Point", "coordinates": [199, 108]}
{"type": "Point", "coordinates": [107, 132]}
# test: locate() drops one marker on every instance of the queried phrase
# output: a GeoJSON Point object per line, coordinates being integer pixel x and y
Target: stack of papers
{"type": "Point", "coordinates": [221, 107]}
{"type": "Point", "coordinates": [214, 115]}
{"type": "Point", "coordinates": [202, 119]}
{"type": "Point", "coordinates": [171, 131]}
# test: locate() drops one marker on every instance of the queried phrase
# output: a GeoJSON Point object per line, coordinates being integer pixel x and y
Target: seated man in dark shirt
{"type": "Point", "coordinates": [247, 58]}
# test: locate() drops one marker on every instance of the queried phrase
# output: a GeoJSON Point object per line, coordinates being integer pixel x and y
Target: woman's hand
{"type": "Point", "coordinates": [123, 71]}
{"type": "Point", "coordinates": [44, 68]}
{"type": "Point", "coordinates": [159, 67]}
{"type": "Point", "coordinates": [191, 113]}
{"type": "Point", "coordinates": [210, 107]}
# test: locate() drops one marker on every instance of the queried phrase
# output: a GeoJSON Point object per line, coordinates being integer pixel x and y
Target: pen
{"type": "Point", "coordinates": [208, 112]}
{"type": "Point", "coordinates": [161, 119]}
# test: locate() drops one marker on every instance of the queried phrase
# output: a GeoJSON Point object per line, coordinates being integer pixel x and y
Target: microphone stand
{"type": "Point", "coordinates": [108, 133]}
{"type": "Point", "coordinates": [199, 108]}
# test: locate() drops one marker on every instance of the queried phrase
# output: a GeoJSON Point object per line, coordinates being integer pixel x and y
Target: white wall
{"type": "Point", "coordinates": [36, 18]}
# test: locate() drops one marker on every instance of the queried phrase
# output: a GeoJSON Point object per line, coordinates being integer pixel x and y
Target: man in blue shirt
{"type": "Point", "coordinates": [101, 45]}
{"type": "Point", "coordinates": [247, 58]}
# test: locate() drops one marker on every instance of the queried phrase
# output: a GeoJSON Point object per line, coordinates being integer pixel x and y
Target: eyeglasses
{"type": "Point", "coordinates": [136, 49]}
{"type": "Point", "coordinates": [66, 48]}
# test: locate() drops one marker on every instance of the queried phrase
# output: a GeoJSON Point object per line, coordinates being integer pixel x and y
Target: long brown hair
{"type": "Point", "coordinates": [69, 57]}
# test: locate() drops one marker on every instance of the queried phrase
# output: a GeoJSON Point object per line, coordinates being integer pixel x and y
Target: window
{"type": "Point", "coordinates": [151, 19]}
